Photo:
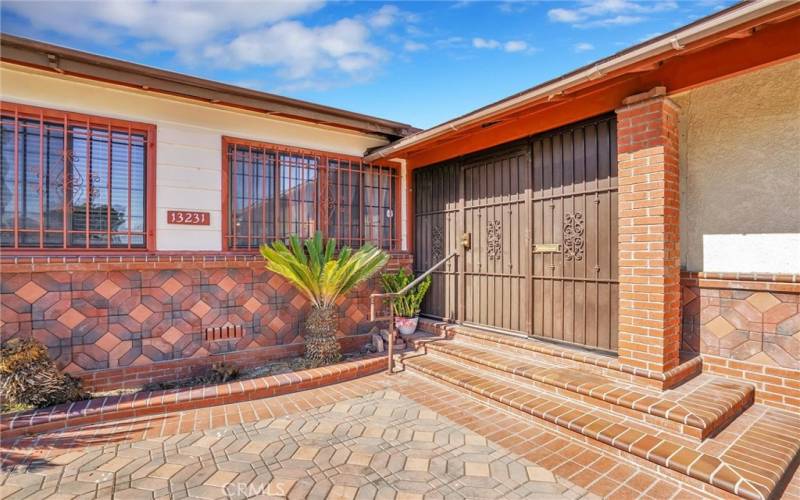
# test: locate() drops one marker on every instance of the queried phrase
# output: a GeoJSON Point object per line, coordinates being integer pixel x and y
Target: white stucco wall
{"type": "Point", "coordinates": [740, 173]}
{"type": "Point", "coordinates": [189, 141]}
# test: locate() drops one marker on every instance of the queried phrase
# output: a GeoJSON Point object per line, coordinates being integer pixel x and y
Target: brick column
{"type": "Point", "coordinates": [649, 251]}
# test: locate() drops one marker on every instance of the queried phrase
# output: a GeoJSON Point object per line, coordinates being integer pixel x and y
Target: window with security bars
{"type": "Point", "coordinates": [71, 181]}
{"type": "Point", "coordinates": [273, 192]}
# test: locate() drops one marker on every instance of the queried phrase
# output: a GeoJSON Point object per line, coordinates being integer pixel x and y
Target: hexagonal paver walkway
{"type": "Point", "coordinates": [399, 436]}
{"type": "Point", "coordinates": [381, 445]}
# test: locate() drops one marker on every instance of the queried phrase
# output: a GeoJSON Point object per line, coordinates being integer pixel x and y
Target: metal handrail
{"type": "Point", "coordinates": [399, 293]}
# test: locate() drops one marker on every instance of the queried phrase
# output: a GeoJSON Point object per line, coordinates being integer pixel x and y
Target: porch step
{"type": "Point", "coordinates": [751, 462]}
{"type": "Point", "coordinates": [608, 366]}
{"type": "Point", "coordinates": [698, 409]}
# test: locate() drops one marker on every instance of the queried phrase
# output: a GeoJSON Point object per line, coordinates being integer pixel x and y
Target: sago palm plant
{"type": "Point", "coordinates": [322, 276]}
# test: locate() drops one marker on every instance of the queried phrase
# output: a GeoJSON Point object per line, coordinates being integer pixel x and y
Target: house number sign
{"type": "Point", "coordinates": [188, 217]}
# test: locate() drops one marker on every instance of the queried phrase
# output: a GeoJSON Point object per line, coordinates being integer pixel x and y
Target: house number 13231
{"type": "Point", "coordinates": [188, 217]}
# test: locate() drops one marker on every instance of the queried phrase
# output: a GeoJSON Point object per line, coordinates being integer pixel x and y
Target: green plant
{"type": "Point", "coordinates": [407, 305]}
{"type": "Point", "coordinates": [28, 377]}
{"type": "Point", "coordinates": [322, 276]}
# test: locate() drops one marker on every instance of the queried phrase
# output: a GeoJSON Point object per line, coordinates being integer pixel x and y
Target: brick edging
{"type": "Point", "coordinates": [782, 283]}
{"type": "Point", "coordinates": [138, 404]}
{"type": "Point", "coordinates": [143, 261]}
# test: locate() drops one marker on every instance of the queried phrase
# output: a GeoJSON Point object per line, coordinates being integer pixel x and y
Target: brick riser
{"type": "Point", "coordinates": [652, 447]}
{"type": "Point", "coordinates": [712, 401]}
{"type": "Point", "coordinates": [585, 361]}
{"type": "Point", "coordinates": [667, 420]}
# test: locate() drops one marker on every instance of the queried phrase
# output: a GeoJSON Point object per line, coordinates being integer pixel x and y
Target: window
{"type": "Point", "coordinates": [344, 198]}
{"type": "Point", "coordinates": [73, 182]}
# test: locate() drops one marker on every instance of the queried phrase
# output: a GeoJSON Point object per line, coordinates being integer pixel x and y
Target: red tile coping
{"type": "Point", "coordinates": [661, 380]}
{"type": "Point", "coordinates": [699, 411]}
{"type": "Point", "coordinates": [782, 283]}
{"type": "Point", "coordinates": [113, 408]}
{"type": "Point", "coordinates": [746, 468]}
{"type": "Point", "coordinates": [10, 263]}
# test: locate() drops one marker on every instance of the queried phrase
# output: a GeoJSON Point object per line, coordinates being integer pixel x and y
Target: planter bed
{"type": "Point", "coordinates": [115, 407]}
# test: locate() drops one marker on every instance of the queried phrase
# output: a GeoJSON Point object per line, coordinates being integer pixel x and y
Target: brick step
{"type": "Point", "coordinates": [751, 462]}
{"type": "Point", "coordinates": [699, 408]}
{"type": "Point", "coordinates": [608, 366]}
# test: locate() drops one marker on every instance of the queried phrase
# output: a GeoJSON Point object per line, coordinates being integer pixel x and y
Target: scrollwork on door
{"type": "Point", "coordinates": [494, 239]}
{"type": "Point", "coordinates": [573, 236]}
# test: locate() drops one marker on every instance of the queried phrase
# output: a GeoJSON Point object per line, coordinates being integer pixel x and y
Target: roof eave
{"type": "Point", "coordinates": [64, 60]}
{"type": "Point", "coordinates": [596, 71]}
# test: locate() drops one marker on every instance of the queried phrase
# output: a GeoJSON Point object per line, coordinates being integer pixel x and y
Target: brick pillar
{"type": "Point", "coordinates": [649, 251]}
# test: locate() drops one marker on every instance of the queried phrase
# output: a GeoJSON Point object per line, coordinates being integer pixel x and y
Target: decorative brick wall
{"type": "Point", "coordinates": [748, 327]}
{"type": "Point", "coordinates": [649, 253]}
{"type": "Point", "coordinates": [144, 316]}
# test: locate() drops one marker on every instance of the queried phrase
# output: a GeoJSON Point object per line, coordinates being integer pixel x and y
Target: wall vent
{"type": "Point", "coordinates": [225, 332]}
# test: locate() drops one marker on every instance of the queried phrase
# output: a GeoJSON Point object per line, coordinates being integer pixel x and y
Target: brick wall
{"type": "Point", "coordinates": [649, 253]}
{"type": "Point", "coordinates": [142, 317]}
{"type": "Point", "coordinates": [747, 327]}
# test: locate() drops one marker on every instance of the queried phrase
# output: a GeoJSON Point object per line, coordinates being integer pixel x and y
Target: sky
{"type": "Point", "coordinates": [420, 63]}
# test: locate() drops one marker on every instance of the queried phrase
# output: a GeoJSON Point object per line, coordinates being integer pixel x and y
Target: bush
{"type": "Point", "coordinates": [28, 377]}
{"type": "Point", "coordinates": [409, 304]}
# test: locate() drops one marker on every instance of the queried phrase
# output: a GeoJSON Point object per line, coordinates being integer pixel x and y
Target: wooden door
{"type": "Point", "coordinates": [574, 214]}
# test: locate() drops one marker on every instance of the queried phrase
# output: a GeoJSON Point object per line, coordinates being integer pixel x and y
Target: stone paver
{"type": "Point", "coordinates": [380, 445]}
{"type": "Point", "coordinates": [391, 437]}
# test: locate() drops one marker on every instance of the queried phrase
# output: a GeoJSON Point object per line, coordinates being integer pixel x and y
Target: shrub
{"type": "Point", "coordinates": [409, 304]}
{"type": "Point", "coordinates": [29, 377]}
{"type": "Point", "coordinates": [322, 276]}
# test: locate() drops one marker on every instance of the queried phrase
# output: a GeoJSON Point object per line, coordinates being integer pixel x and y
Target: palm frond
{"type": "Point", "coordinates": [315, 270]}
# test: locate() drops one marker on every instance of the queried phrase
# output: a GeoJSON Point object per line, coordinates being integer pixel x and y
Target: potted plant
{"type": "Point", "coordinates": [322, 276]}
{"type": "Point", "coordinates": [407, 306]}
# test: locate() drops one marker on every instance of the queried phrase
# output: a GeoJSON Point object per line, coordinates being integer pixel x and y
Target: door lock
{"type": "Point", "coordinates": [466, 241]}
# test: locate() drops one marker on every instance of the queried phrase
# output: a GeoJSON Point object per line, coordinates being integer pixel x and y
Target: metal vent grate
{"type": "Point", "coordinates": [225, 332]}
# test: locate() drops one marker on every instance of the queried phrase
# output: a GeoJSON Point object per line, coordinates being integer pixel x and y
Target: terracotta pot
{"type": "Point", "coordinates": [406, 326]}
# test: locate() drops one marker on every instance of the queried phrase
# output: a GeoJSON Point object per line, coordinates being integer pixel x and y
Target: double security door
{"type": "Point", "coordinates": [536, 225]}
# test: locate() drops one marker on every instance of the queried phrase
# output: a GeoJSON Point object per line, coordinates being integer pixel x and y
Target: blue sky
{"type": "Point", "coordinates": [417, 62]}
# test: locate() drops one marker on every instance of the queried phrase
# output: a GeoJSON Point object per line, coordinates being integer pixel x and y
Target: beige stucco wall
{"type": "Point", "coordinates": [189, 140]}
{"type": "Point", "coordinates": [740, 173]}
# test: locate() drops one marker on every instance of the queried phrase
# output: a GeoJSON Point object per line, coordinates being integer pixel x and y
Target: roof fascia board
{"type": "Point", "coordinates": [675, 40]}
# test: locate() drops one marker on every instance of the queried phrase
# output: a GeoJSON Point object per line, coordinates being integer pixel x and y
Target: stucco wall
{"type": "Point", "coordinates": [189, 140]}
{"type": "Point", "coordinates": [740, 173]}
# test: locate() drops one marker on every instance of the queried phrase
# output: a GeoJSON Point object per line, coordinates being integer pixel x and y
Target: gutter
{"type": "Point", "coordinates": [673, 41]}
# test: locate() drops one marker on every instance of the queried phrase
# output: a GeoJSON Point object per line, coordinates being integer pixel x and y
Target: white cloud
{"type": "Point", "coordinates": [230, 33]}
{"type": "Point", "coordinates": [509, 46]}
{"type": "Point", "coordinates": [564, 15]}
{"type": "Point", "coordinates": [384, 17]}
{"type": "Point", "coordinates": [411, 46]}
{"type": "Point", "coordinates": [180, 25]}
{"type": "Point", "coordinates": [483, 43]}
{"type": "Point", "coordinates": [583, 47]}
{"type": "Point", "coordinates": [515, 46]}
{"type": "Point", "coordinates": [389, 15]}
{"type": "Point", "coordinates": [606, 13]}
{"type": "Point", "coordinates": [299, 51]}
